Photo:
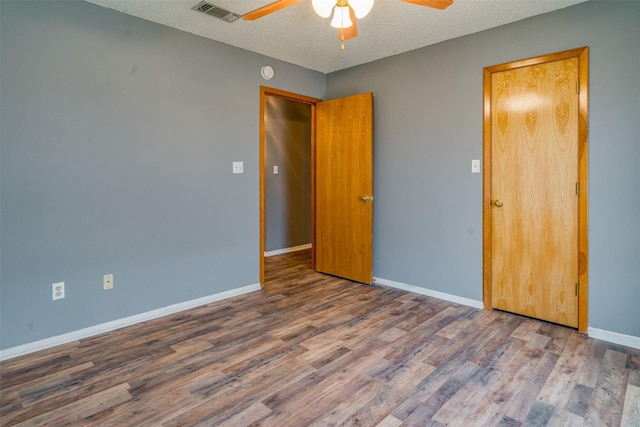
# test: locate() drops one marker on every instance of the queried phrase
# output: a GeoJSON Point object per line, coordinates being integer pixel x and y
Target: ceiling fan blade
{"type": "Point", "coordinates": [270, 8]}
{"type": "Point", "coordinates": [350, 32]}
{"type": "Point", "coordinates": [437, 4]}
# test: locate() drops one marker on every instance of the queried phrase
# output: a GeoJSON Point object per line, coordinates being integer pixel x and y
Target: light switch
{"type": "Point", "coordinates": [238, 167]}
{"type": "Point", "coordinates": [275, 170]}
{"type": "Point", "coordinates": [475, 166]}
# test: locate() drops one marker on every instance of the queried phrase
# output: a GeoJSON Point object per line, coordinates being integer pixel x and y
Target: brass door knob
{"type": "Point", "coordinates": [498, 203]}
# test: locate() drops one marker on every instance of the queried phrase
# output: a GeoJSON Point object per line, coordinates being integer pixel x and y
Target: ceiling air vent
{"type": "Point", "coordinates": [216, 12]}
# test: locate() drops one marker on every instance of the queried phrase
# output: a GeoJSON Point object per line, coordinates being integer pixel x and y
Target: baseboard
{"type": "Point", "coordinates": [287, 250]}
{"type": "Point", "coordinates": [428, 292]}
{"type": "Point", "coordinates": [121, 323]}
{"type": "Point", "coordinates": [614, 337]}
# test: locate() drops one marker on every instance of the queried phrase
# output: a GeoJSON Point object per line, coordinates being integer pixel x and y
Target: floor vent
{"type": "Point", "coordinates": [216, 12]}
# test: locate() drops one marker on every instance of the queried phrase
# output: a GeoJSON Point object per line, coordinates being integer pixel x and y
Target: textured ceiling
{"type": "Point", "coordinates": [297, 35]}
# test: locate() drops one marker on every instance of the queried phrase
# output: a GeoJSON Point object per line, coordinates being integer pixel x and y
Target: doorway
{"type": "Point", "coordinates": [341, 183]}
{"type": "Point", "coordinates": [287, 138]}
{"type": "Point", "coordinates": [535, 187]}
{"type": "Point", "coordinates": [287, 176]}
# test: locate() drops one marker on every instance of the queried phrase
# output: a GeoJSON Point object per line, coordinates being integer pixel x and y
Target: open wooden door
{"type": "Point", "coordinates": [343, 242]}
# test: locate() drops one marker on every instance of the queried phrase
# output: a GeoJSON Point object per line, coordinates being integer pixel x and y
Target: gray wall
{"type": "Point", "coordinates": [288, 194]}
{"type": "Point", "coordinates": [428, 127]}
{"type": "Point", "coordinates": [117, 137]}
{"type": "Point", "coordinates": [117, 140]}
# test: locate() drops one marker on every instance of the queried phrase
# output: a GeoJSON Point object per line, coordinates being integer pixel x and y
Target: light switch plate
{"type": "Point", "coordinates": [238, 167]}
{"type": "Point", "coordinates": [475, 166]}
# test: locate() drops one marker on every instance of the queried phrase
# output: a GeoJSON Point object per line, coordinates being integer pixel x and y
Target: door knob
{"type": "Point", "coordinates": [366, 198]}
{"type": "Point", "coordinates": [498, 203]}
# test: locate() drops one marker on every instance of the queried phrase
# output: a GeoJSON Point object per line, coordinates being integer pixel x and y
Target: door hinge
{"type": "Point", "coordinates": [577, 290]}
{"type": "Point", "coordinates": [578, 87]}
{"type": "Point", "coordinates": [577, 188]}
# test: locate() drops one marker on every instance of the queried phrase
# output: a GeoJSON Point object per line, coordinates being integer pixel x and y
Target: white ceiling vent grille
{"type": "Point", "coordinates": [216, 12]}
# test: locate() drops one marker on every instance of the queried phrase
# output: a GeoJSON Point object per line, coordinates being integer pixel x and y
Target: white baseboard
{"type": "Point", "coordinates": [614, 337]}
{"type": "Point", "coordinates": [287, 250]}
{"type": "Point", "coordinates": [430, 293]}
{"type": "Point", "coordinates": [121, 323]}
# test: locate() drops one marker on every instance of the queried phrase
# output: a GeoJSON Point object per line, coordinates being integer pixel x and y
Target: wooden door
{"type": "Point", "coordinates": [344, 188]}
{"type": "Point", "coordinates": [535, 190]}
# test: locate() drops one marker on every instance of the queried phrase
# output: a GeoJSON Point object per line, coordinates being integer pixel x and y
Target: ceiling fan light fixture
{"type": "Point", "coordinates": [323, 7]}
{"type": "Point", "coordinates": [341, 17]}
{"type": "Point", "coordinates": [361, 7]}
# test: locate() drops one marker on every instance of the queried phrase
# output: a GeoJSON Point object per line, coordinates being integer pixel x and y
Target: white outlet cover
{"type": "Point", "coordinates": [57, 290]}
{"type": "Point", "coordinates": [238, 167]}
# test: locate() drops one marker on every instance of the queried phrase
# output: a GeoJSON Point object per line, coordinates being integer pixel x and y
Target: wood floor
{"type": "Point", "coordinates": [317, 350]}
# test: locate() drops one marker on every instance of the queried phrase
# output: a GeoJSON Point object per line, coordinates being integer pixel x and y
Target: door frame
{"type": "Point", "coordinates": [582, 54]}
{"type": "Point", "coordinates": [264, 92]}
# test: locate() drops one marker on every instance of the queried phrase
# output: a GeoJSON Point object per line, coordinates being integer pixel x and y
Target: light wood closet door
{"type": "Point", "coordinates": [534, 161]}
{"type": "Point", "coordinates": [344, 188]}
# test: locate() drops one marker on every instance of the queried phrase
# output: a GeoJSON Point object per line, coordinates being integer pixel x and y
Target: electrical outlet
{"type": "Point", "coordinates": [107, 282]}
{"type": "Point", "coordinates": [57, 291]}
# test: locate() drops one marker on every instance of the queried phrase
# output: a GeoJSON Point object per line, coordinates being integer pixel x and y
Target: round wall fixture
{"type": "Point", "coordinates": [267, 72]}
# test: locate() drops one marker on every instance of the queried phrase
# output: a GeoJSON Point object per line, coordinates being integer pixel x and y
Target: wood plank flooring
{"type": "Point", "coordinates": [310, 349]}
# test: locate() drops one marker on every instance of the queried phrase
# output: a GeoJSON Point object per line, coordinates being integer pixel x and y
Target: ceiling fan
{"type": "Point", "coordinates": [345, 12]}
